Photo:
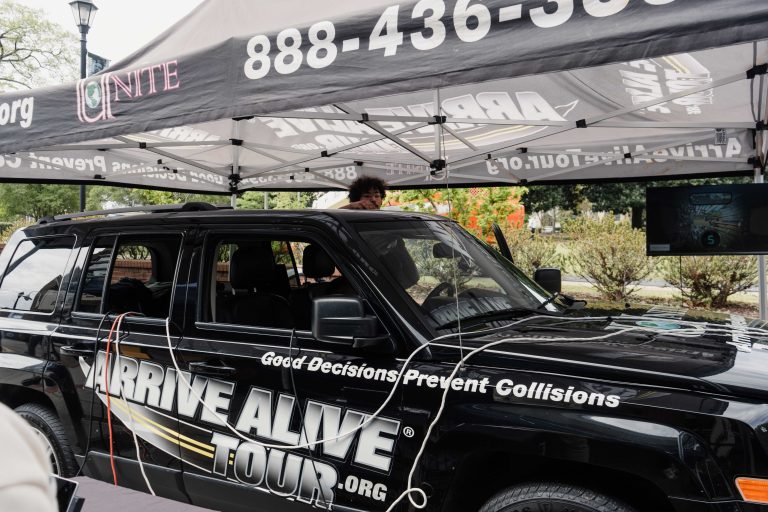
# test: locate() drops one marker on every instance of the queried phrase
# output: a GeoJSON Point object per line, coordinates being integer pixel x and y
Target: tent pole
{"type": "Point", "coordinates": [761, 265]}
{"type": "Point", "coordinates": [235, 161]}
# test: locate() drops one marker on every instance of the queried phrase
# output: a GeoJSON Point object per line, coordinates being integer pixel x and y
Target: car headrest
{"type": "Point", "coordinates": [402, 265]}
{"type": "Point", "coordinates": [317, 263]}
{"type": "Point", "coordinates": [251, 266]}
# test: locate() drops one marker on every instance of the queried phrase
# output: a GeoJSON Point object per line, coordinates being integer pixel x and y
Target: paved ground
{"type": "Point", "coordinates": [100, 496]}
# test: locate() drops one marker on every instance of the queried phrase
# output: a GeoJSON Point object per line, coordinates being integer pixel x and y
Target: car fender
{"type": "Point", "coordinates": [669, 458]}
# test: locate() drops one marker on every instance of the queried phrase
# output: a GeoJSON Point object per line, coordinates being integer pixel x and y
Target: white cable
{"type": "Point", "coordinates": [416, 490]}
{"type": "Point", "coordinates": [119, 365]}
{"type": "Point", "coordinates": [695, 330]}
{"type": "Point", "coordinates": [239, 434]}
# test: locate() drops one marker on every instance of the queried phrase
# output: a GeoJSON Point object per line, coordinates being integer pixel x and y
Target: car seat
{"type": "Point", "coordinates": [257, 283]}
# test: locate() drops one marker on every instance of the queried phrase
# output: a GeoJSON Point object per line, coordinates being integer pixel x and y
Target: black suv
{"type": "Point", "coordinates": [348, 360]}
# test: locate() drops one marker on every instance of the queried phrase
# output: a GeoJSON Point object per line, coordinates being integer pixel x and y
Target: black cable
{"type": "Point", "coordinates": [93, 394]}
{"type": "Point", "coordinates": [301, 414]}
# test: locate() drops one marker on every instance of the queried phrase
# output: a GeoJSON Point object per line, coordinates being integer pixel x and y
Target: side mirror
{"type": "Point", "coordinates": [549, 278]}
{"type": "Point", "coordinates": [342, 321]}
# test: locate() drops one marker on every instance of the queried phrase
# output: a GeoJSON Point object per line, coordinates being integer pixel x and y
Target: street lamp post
{"type": "Point", "coordinates": [84, 11]}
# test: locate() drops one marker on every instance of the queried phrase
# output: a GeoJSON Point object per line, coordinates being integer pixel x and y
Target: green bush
{"type": "Point", "coordinates": [531, 250]}
{"type": "Point", "coordinates": [610, 255]}
{"type": "Point", "coordinates": [708, 281]}
{"type": "Point", "coordinates": [10, 228]}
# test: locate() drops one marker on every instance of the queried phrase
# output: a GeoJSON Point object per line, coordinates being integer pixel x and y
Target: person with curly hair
{"type": "Point", "coordinates": [366, 193]}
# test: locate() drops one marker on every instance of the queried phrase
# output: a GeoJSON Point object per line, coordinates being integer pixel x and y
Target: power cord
{"type": "Point", "coordinates": [301, 414]}
{"type": "Point", "coordinates": [692, 329]}
{"type": "Point", "coordinates": [119, 366]}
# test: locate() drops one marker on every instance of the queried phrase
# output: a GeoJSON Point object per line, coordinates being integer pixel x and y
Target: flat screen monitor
{"type": "Point", "coordinates": [707, 220]}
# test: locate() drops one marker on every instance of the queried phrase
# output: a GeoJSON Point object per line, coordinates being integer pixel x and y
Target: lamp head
{"type": "Point", "coordinates": [84, 11]}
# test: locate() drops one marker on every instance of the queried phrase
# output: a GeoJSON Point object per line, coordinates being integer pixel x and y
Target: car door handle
{"type": "Point", "coordinates": [76, 350]}
{"type": "Point", "coordinates": [210, 369]}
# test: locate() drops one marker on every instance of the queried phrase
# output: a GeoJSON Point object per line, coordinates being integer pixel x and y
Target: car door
{"type": "Point", "coordinates": [131, 271]}
{"type": "Point", "coordinates": [268, 384]}
{"type": "Point", "coordinates": [36, 270]}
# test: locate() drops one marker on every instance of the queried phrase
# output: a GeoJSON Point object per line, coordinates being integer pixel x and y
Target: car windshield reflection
{"type": "Point", "coordinates": [453, 277]}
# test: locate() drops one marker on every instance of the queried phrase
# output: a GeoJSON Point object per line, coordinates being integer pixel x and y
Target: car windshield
{"type": "Point", "coordinates": [452, 276]}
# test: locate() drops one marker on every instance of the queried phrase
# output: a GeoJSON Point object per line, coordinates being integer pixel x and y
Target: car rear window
{"type": "Point", "coordinates": [35, 273]}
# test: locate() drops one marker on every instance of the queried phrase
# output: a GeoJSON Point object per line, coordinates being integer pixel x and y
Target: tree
{"type": "Point", "coordinates": [630, 196]}
{"type": "Point", "coordinates": [276, 200]}
{"type": "Point", "coordinates": [544, 198]}
{"type": "Point", "coordinates": [33, 50]}
{"type": "Point", "coordinates": [541, 198]}
{"type": "Point", "coordinates": [105, 197]}
{"type": "Point", "coordinates": [474, 208]}
{"type": "Point", "coordinates": [619, 198]}
{"type": "Point", "coordinates": [37, 201]}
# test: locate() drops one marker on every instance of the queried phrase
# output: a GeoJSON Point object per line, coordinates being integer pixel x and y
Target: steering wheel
{"type": "Point", "coordinates": [440, 288]}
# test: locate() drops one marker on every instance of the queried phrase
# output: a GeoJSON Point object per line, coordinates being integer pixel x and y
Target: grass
{"type": "Point", "coordinates": [744, 303]}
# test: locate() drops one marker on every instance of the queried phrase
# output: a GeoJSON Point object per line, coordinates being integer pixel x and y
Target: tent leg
{"type": "Point", "coordinates": [233, 201]}
{"type": "Point", "coordinates": [761, 286]}
{"type": "Point", "coordinates": [761, 266]}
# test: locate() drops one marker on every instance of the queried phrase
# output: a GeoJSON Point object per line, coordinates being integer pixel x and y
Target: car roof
{"type": "Point", "coordinates": [126, 217]}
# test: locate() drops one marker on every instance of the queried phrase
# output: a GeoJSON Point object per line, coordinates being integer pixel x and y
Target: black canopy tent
{"type": "Point", "coordinates": [244, 95]}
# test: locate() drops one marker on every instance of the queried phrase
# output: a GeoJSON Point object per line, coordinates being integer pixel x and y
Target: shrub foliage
{"type": "Point", "coordinates": [531, 250]}
{"type": "Point", "coordinates": [708, 281]}
{"type": "Point", "coordinates": [610, 255]}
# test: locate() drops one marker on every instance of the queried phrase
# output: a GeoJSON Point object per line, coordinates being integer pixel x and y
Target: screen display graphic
{"type": "Point", "coordinates": [707, 220]}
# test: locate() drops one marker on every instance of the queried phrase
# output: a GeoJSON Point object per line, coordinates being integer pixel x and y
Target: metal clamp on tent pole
{"type": "Point", "coordinates": [760, 69]}
{"type": "Point", "coordinates": [363, 118]}
{"type": "Point", "coordinates": [234, 180]}
{"type": "Point", "coordinates": [581, 123]}
{"type": "Point", "coordinates": [438, 120]}
{"type": "Point", "coordinates": [436, 165]}
{"type": "Point", "coordinates": [236, 142]}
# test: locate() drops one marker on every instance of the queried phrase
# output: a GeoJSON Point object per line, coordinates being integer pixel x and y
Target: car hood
{"type": "Point", "coordinates": [726, 354]}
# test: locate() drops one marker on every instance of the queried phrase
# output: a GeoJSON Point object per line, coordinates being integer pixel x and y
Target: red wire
{"type": "Point", "coordinates": [109, 408]}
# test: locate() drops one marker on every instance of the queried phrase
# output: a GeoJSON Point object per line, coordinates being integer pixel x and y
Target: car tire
{"type": "Point", "coordinates": [552, 497]}
{"type": "Point", "coordinates": [51, 431]}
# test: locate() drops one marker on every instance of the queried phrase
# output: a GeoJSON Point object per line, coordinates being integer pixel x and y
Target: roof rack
{"type": "Point", "coordinates": [185, 207]}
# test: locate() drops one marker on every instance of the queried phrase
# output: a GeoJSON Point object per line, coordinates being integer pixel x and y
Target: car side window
{"type": "Point", "coordinates": [136, 275]}
{"type": "Point", "coordinates": [267, 283]}
{"type": "Point", "coordinates": [35, 273]}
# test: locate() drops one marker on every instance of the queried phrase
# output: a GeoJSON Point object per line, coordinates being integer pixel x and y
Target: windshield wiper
{"type": "Point", "coordinates": [490, 316]}
{"type": "Point", "coordinates": [550, 300]}
{"type": "Point", "coordinates": [569, 302]}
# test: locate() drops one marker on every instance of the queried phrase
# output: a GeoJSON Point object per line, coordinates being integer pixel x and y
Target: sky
{"type": "Point", "coordinates": [121, 26]}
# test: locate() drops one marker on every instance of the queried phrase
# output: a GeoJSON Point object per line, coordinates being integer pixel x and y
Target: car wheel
{"type": "Point", "coordinates": [552, 497]}
{"type": "Point", "coordinates": [51, 431]}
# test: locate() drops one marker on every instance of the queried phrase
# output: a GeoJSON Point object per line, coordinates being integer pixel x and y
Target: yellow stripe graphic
{"type": "Point", "coordinates": [157, 429]}
{"type": "Point", "coordinates": [677, 65]}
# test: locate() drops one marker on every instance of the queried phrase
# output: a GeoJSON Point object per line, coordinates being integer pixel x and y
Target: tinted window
{"type": "Point", "coordinates": [95, 276]}
{"type": "Point", "coordinates": [140, 272]}
{"type": "Point", "coordinates": [262, 282]}
{"type": "Point", "coordinates": [34, 275]}
{"type": "Point", "coordinates": [451, 275]}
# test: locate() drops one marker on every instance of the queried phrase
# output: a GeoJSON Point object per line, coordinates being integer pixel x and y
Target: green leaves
{"type": "Point", "coordinates": [37, 201]}
{"type": "Point", "coordinates": [608, 254]}
{"type": "Point", "coordinates": [708, 281]}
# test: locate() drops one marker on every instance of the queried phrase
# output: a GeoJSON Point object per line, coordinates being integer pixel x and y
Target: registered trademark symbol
{"type": "Point", "coordinates": [408, 432]}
